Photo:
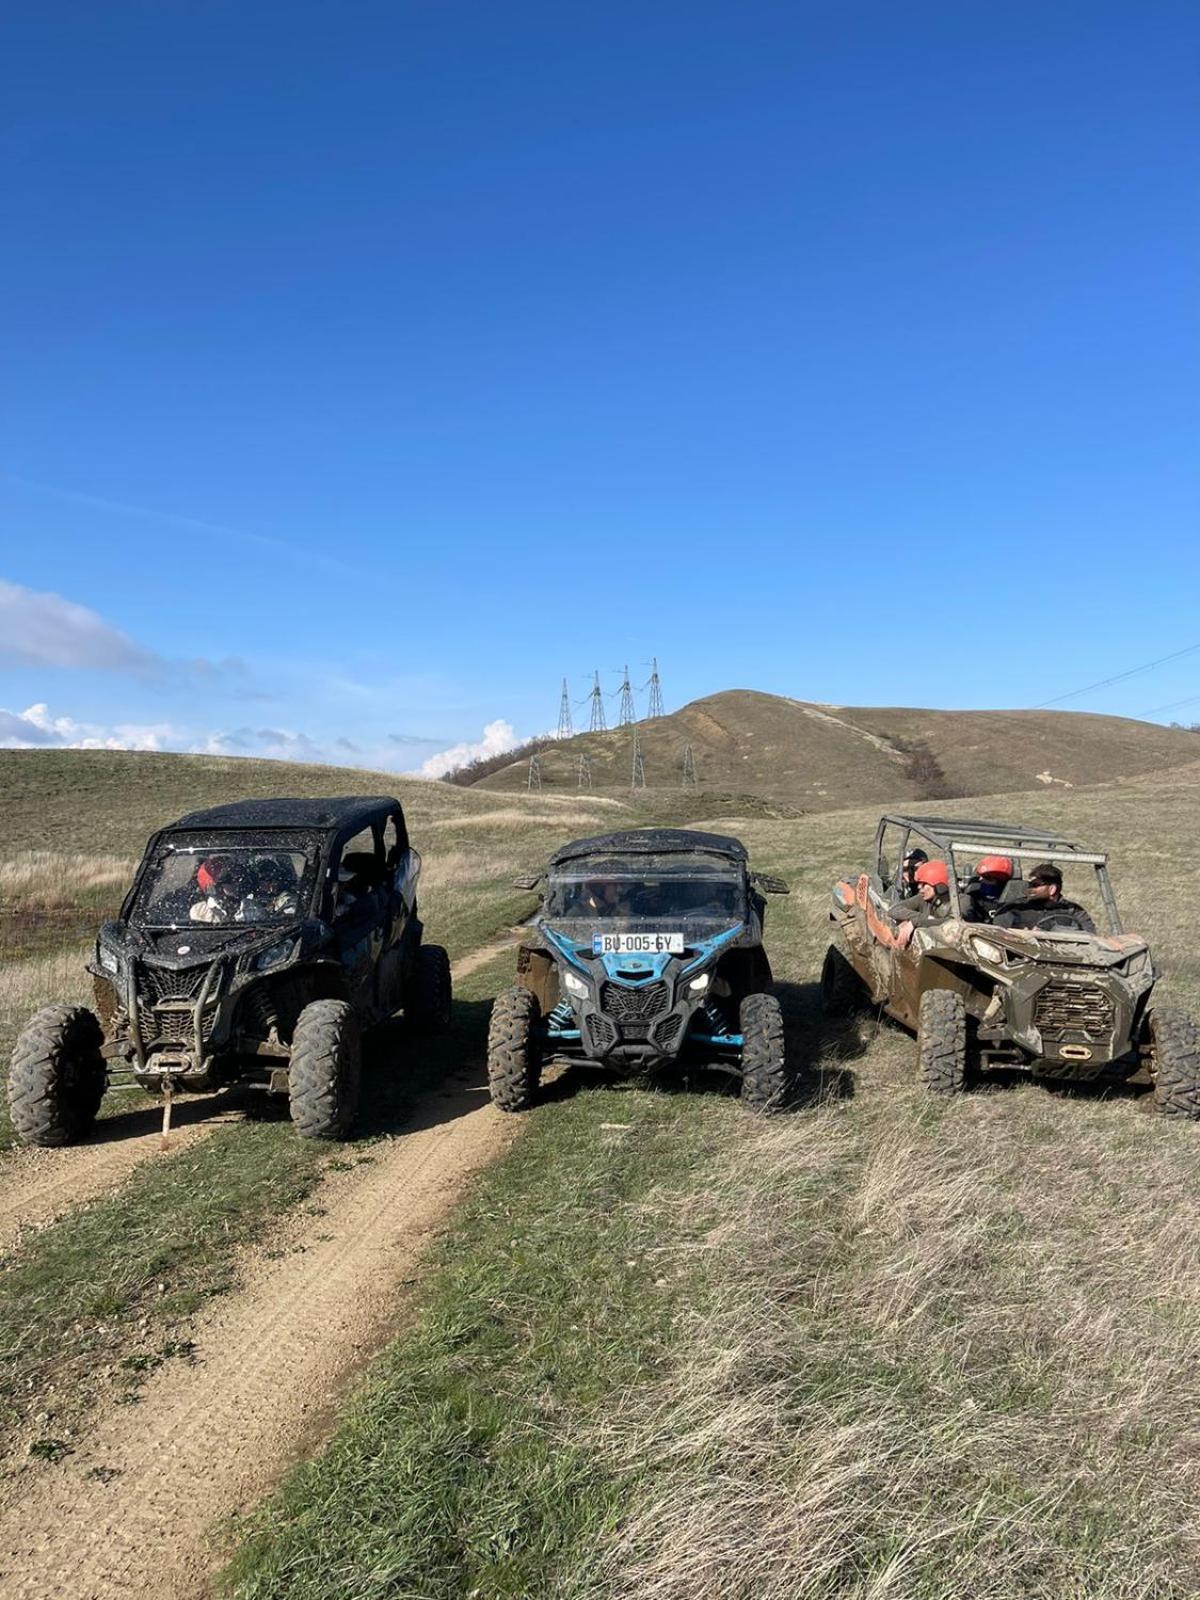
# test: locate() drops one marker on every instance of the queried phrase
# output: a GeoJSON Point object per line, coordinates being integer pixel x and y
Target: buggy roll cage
{"type": "Point", "coordinates": [960, 836]}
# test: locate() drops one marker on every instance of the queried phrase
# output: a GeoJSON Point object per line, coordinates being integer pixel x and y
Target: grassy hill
{"type": "Point", "coordinates": [807, 757]}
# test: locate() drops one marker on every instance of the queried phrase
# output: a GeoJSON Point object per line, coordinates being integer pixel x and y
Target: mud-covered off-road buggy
{"type": "Point", "coordinates": [257, 942]}
{"type": "Point", "coordinates": [648, 951]}
{"type": "Point", "coordinates": [1051, 996]}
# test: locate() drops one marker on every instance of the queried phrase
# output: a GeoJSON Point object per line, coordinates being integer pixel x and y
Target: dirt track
{"type": "Point", "coordinates": [36, 1186]}
{"type": "Point", "coordinates": [272, 1358]}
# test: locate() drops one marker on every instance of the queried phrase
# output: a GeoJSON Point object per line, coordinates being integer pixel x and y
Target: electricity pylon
{"type": "Point", "coordinates": [534, 780]}
{"type": "Point", "coordinates": [597, 724]}
{"type": "Point", "coordinates": [689, 768]}
{"type": "Point", "coordinates": [638, 777]}
{"type": "Point", "coordinates": [584, 780]}
{"type": "Point", "coordinates": [655, 708]}
{"type": "Point", "coordinates": [565, 728]}
{"type": "Point", "coordinates": [627, 714]}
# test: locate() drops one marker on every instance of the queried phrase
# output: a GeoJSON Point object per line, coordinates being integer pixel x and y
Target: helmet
{"type": "Point", "coordinates": [998, 866]}
{"type": "Point", "coordinates": [210, 873]}
{"type": "Point", "coordinates": [934, 872]}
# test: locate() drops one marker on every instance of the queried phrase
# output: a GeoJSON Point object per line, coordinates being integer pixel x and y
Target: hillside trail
{"type": "Point", "coordinates": [823, 714]}
{"type": "Point", "coordinates": [39, 1186]}
{"type": "Point", "coordinates": [131, 1511]}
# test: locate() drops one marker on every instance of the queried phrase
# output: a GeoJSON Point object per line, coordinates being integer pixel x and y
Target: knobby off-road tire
{"type": "Point", "coordinates": [1176, 1062]}
{"type": "Point", "coordinates": [57, 1078]}
{"type": "Point", "coordinates": [764, 1055]}
{"type": "Point", "coordinates": [326, 1070]}
{"type": "Point", "coordinates": [842, 990]}
{"type": "Point", "coordinates": [513, 1060]}
{"type": "Point", "coordinates": [430, 994]}
{"type": "Point", "coordinates": [942, 1042]}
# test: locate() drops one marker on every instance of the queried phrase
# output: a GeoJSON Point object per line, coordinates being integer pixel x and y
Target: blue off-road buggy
{"type": "Point", "coordinates": [648, 951]}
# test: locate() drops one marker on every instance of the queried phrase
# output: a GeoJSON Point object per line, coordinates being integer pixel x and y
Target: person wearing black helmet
{"type": "Point", "coordinates": [908, 870]}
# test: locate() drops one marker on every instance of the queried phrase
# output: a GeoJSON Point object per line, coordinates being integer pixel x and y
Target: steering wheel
{"type": "Point", "coordinates": [1050, 920]}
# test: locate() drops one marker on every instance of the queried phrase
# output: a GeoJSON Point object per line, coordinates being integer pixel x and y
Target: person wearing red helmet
{"type": "Point", "coordinates": [224, 885]}
{"type": "Point", "coordinates": [981, 896]}
{"type": "Point", "coordinates": [930, 902]}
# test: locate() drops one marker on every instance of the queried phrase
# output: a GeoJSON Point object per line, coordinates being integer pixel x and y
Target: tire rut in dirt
{"type": "Point", "coordinates": [272, 1357]}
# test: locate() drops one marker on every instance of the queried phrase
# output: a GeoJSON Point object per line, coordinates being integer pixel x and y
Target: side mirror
{"type": "Point", "coordinates": [527, 880]}
{"type": "Point", "coordinates": [768, 884]}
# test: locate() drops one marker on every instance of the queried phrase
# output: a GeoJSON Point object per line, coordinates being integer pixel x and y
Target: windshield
{"type": "Point", "coordinates": [234, 882]}
{"type": "Point", "coordinates": [644, 897]}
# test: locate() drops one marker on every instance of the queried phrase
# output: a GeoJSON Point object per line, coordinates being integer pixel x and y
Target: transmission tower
{"type": "Point", "coordinates": [627, 715]}
{"type": "Point", "coordinates": [584, 780]}
{"type": "Point", "coordinates": [535, 773]}
{"type": "Point", "coordinates": [565, 729]}
{"type": "Point", "coordinates": [655, 708]}
{"type": "Point", "coordinates": [638, 776]}
{"type": "Point", "coordinates": [597, 723]}
{"type": "Point", "coordinates": [689, 768]}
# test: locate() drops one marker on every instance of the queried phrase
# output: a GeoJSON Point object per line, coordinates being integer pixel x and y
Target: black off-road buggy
{"type": "Point", "coordinates": [1048, 995]}
{"type": "Point", "coordinates": [648, 951]}
{"type": "Point", "coordinates": [256, 943]}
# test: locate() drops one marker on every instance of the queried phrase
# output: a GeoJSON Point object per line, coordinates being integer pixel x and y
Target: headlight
{"type": "Point", "coordinates": [275, 956]}
{"type": "Point", "coordinates": [108, 961]}
{"type": "Point", "coordinates": [575, 986]}
{"type": "Point", "coordinates": [987, 951]}
{"type": "Point", "coordinates": [698, 985]}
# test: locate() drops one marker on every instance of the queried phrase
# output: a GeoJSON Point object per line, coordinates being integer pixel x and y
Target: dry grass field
{"type": "Point", "coordinates": [877, 1347]}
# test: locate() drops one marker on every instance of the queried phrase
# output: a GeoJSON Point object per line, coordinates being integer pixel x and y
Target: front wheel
{"type": "Point", "coordinates": [942, 1042]}
{"type": "Point", "coordinates": [325, 1071]}
{"type": "Point", "coordinates": [842, 990]}
{"type": "Point", "coordinates": [57, 1078]}
{"type": "Point", "coordinates": [514, 1060]}
{"type": "Point", "coordinates": [764, 1054]}
{"type": "Point", "coordinates": [1175, 1062]}
{"type": "Point", "coordinates": [428, 1003]}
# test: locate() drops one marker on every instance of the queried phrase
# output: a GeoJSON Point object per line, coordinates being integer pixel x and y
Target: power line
{"type": "Point", "coordinates": [1119, 677]}
{"type": "Point", "coordinates": [1172, 705]}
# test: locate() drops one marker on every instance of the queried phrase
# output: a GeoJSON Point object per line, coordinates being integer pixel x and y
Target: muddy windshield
{"type": "Point", "coordinates": [632, 895]}
{"type": "Point", "coordinates": [242, 881]}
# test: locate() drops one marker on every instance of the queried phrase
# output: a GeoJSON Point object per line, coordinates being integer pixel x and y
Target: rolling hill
{"type": "Point", "coordinates": [809, 757]}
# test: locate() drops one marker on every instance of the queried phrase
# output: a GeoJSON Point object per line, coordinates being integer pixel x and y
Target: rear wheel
{"type": "Point", "coordinates": [428, 1003]}
{"type": "Point", "coordinates": [942, 1042]}
{"type": "Point", "coordinates": [325, 1071]}
{"type": "Point", "coordinates": [764, 1054]}
{"type": "Point", "coordinates": [57, 1078]}
{"type": "Point", "coordinates": [514, 1060]}
{"type": "Point", "coordinates": [842, 990]}
{"type": "Point", "coordinates": [1175, 1062]}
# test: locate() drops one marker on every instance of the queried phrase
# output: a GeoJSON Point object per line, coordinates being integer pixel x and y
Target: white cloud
{"type": "Point", "coordinates": [498, 737]}
{"type": "Point", "coordinates": [35, 728]}
{"type": "Point", "coordinates": [44, 630]}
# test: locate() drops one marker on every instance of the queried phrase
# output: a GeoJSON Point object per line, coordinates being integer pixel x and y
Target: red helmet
{"type": "Point", "coordinates": [210, 872]}
{"type": "Point", "coordinates": [997, 866]}
{"type": "Point", "coordinates": [934, 872]}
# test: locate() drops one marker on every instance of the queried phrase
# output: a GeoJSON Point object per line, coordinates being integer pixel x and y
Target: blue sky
{"type": "Point", "coordinates": [366, 369]}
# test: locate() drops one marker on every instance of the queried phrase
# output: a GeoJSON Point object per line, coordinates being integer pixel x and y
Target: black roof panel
{"type": "Point", "coordinates": [337, 811]}
{"type": "Point", "coordinates": [652, 841]}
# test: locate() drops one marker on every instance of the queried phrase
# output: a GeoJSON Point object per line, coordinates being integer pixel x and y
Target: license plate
{"type": "Point", "coordinates": [637, 944]}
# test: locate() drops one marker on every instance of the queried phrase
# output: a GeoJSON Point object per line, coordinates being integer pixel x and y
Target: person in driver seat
{"type": "Point", "coordinates": [1045, 907]}
{"type": "Point", "coordinates": [226, 889]}
{"type": "Point", "coordinates": [605, 897]}
{"type": "Point", "coordinates": [275, 885]}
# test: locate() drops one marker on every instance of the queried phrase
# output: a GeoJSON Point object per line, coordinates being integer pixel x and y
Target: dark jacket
{"type": "Point", "coordinates": [915, 910]}
{"type": "Point", "coordinates": [1029, 913]}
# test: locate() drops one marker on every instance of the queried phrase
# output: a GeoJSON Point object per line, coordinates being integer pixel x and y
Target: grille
{"type": "Point", "coordinates": [601, 1032]}
{"type": "Point", "coordinates": [160, 983]}
{"type": "Point", "coordinates": [666, 1032]}
{"type": "Point", "coordinates": [173, 1026]}
{"type": "Point", "coordinates": [1073, 1009]}
{"type": "Point", "coordinates": [634, 1005]}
